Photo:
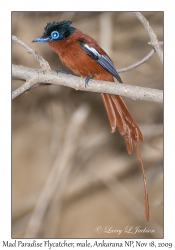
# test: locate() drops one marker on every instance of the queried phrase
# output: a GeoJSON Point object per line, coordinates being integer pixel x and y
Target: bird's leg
{"type": "Point", "coordinates": [88, 79]}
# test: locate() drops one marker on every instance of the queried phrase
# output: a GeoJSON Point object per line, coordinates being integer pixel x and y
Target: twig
{"type": "Point", "coordinates": [25, 87]}
{"type": "Point", "coordinates": [151, 33]}
{"type": "Point", "coordinates": [78, 83]}
{"type": "Point", "coordinates": [135, 65]}
{"type": "Point", "coordinates": [43, 63]}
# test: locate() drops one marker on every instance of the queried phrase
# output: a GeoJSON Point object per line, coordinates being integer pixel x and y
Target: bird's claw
{"type": "Point", "coordinates": [88, 79]}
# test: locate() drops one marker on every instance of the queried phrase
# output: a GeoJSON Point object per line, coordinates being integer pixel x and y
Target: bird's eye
{"type": "Point", "coordinates": [55, 35]}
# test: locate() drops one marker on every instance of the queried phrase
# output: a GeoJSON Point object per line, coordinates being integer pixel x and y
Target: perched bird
{"type": "Point", "coordinates": [81, 53]}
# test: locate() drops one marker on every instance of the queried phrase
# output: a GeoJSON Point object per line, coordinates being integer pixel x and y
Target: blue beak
{"type": "Point", "coordinates": [41, 39]}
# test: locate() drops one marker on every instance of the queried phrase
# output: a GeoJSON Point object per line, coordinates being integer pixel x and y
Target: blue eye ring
{"type": "Point", "coordinates": [55, 35]}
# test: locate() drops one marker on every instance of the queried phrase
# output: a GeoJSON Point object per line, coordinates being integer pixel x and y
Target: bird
{"type": "Point", "coordinates": [85, 58]}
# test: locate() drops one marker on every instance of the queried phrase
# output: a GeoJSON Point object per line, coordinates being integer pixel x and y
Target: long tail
{"type": "Point", "coordinates": [119, 116]}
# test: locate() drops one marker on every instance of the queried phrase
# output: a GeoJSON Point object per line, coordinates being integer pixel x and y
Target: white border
{"type": "Point", "coordinates": [5, 104]}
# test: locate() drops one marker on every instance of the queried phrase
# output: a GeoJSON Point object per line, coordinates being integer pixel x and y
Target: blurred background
{"type": "Point", "coordinates": [72, 178]}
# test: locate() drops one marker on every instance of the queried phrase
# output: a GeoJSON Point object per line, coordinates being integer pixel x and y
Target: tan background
{"type": "Point", "coordinates": [103, 185]}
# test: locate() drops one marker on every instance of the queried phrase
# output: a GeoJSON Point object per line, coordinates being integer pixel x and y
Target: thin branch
{"type": "Point", "coordinates": [151, 33]}
{"type": "Point", "coordinates": [135, 65]}
{"type": "Point", "coordinates": [50, 77]}
{"type": "Point", "coordinates": [43, 63]}
{"type": "Point", "coordinates": [25, 87]}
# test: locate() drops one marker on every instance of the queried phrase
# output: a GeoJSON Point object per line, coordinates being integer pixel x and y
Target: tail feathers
{"type": "Point", "coordinates": [111, 113]}
{"type": "Point", "coordinates": [144, 180]}
{"type": "Point", "coordinates": [120, 117]}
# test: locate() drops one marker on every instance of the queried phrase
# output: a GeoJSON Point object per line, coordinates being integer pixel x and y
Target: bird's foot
{"type": "Point", "coordinates": [88, 79]}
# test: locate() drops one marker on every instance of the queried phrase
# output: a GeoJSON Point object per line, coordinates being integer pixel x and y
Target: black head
{"type": "Point", "coordinates": [56, 31]}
